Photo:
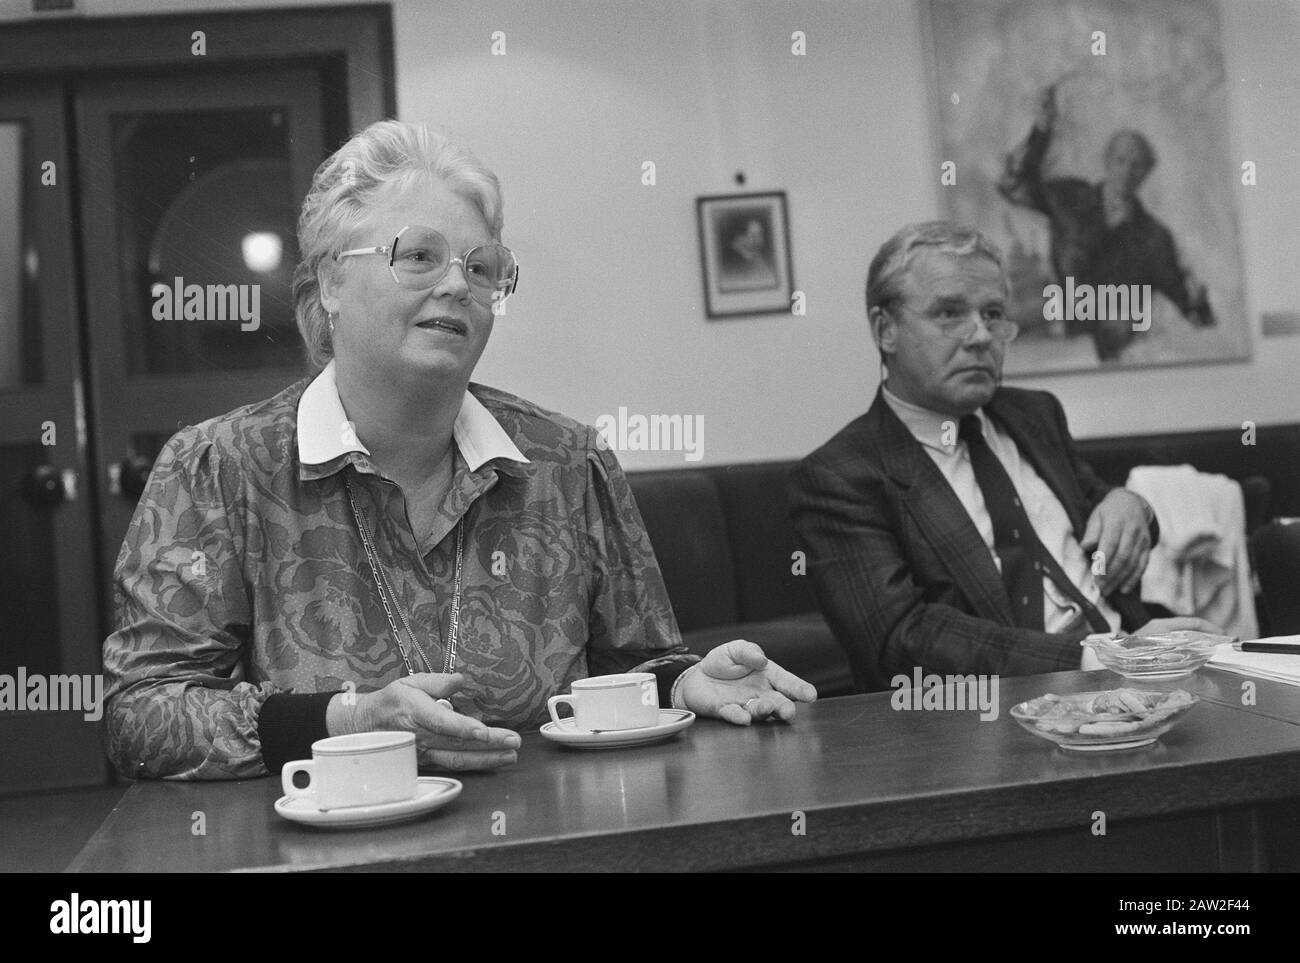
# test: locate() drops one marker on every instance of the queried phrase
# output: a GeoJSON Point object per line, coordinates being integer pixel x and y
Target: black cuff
{"type": "Point", "coordinates": [665, 675]}
{"type": "Point", "coordinates": [289, 723]}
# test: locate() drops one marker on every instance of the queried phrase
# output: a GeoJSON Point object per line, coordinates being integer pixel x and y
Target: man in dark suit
{"type": "Point", "coordinates": [952, 527]}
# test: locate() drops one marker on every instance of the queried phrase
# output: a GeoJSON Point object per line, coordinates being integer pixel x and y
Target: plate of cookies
{"type": "Point", "coordinates": [1113, 719]}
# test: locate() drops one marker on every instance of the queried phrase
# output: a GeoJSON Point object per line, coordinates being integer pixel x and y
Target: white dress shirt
{"type": "Point", "coordinates": [937, 434]}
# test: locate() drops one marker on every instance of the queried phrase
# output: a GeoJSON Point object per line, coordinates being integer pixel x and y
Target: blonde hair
{"type": "Point", "coordinates": [389, 155]}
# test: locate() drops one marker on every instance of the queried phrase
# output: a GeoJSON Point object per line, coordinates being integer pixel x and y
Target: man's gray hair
{"type": "Point", "coordinates": [884, 277]}
{"type": "Point", "coordinates": [389, 155]}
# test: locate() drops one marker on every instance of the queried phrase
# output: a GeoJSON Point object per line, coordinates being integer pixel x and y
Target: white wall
{"type": "Point", "coordinates": [610, 308]}
{"type": "Point", "coordinates": [584, 95]}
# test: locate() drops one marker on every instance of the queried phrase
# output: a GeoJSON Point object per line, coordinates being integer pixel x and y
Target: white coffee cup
{"type": "Point", "coordinates": [604, 703]}
{"type": "Point", "coordinates": [362, 769]}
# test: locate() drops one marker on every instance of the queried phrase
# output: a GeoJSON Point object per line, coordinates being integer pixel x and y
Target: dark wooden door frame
{"type": "Point", "coordinates": [358, 38]}
{"type": "Point", "coordinates": [351, 48]}
{"type": "Point", "coordinates": [47, 749]}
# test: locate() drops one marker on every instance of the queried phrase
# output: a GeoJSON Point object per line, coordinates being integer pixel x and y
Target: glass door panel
{"type": "Point", "coordinates": [206, 201]}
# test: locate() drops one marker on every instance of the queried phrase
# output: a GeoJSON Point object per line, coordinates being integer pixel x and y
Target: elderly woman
{"type": "Point", "coordinates": [385, 545]}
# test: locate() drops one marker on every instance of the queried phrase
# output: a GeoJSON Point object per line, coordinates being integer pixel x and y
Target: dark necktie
{"type": "Point", "coordinates": [1025, 560]}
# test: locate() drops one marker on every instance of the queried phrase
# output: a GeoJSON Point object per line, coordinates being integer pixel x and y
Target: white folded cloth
{"type": "Point", "coordinates": [1201, 565]}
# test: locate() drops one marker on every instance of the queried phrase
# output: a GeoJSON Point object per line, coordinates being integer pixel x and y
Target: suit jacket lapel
{"type": "Point", "coordinates": [1047, 458]}
{"type": "Point", "coordinates": [940, 515]}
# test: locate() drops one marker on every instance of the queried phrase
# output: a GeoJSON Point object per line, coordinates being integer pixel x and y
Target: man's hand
{"type": "Point", "coordinates": [418, 703]}
{"type": "Point", "coordinates": [738, 683]}
{"type": "Point", "coordinates": [1118, 529]}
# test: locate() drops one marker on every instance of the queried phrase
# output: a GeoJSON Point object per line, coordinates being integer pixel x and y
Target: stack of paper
{"type": "Point", "coordinates": [1263, 665]}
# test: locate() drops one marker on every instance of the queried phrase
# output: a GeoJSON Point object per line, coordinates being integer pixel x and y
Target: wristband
{"type": "Point", "coordinates": [672, 693]}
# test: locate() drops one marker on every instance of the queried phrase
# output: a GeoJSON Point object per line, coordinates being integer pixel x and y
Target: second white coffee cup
{"type": "Point", "coordinates": [362, 769]}
{"type": "Point", "coordinates": [606, 703]}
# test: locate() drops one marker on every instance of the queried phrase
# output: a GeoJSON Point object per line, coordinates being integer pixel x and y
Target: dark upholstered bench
{"type": "Point", "coordinates": [1269, 470]}
{"type": "Point", "coordinates": [723, 538]}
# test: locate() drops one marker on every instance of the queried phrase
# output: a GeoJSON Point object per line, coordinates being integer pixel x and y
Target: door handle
{"type": "Point", "coordinates": [127, 478]}
{"type": "Point", "coordinates": [46, 486]}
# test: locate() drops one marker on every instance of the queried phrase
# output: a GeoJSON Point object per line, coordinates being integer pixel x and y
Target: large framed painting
{"type": "Point", "coordinates": [1090, 139]}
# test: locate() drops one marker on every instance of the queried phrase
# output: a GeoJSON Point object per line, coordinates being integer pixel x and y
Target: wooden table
{"type": "Point", "coordinates": [875, 788]}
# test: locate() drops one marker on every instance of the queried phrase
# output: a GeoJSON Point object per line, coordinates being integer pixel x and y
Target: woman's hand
{"type": "Point", "coordinates": [417, 703]}
{"type": "Point", "coordinates": [738, 683]}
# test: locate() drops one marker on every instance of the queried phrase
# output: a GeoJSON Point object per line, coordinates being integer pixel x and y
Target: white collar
{"type": "Point", "coordinates": [324, 432]}
{"type": "Point", "coordinates": [928, 426]}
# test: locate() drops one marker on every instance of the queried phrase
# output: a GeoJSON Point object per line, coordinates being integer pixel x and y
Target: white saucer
{"type": "Point", "coordinates": [433, 792]}
{"type": "Point", "coordinates": [671, 722]}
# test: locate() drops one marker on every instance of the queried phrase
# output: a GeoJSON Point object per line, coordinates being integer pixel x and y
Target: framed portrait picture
{"type": "Point", "coordinates": [745, 254]}
{"type": "Point", "coordinates": [1090, 140]}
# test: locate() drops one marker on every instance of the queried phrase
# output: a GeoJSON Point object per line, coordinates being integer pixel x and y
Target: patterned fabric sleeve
{"type": "Point", "coordinates": [632, 628]}
{"type": "Point", "coordinates": [177, 703]}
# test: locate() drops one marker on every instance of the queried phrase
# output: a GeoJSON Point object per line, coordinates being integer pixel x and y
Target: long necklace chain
{"type": "Point", "coordinates": [385, 588]}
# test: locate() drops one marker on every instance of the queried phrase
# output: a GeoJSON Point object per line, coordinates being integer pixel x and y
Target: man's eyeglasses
{"type": "Point", "coordinates": [962, 325]}
{"type": "Point", "coordinates": [420, 257]}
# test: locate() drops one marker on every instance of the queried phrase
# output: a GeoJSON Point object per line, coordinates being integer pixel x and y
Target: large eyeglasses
{"type": "Point", "coordinates": [420, 257]}
{"type": "Point", "coordinates": [963, 325]}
